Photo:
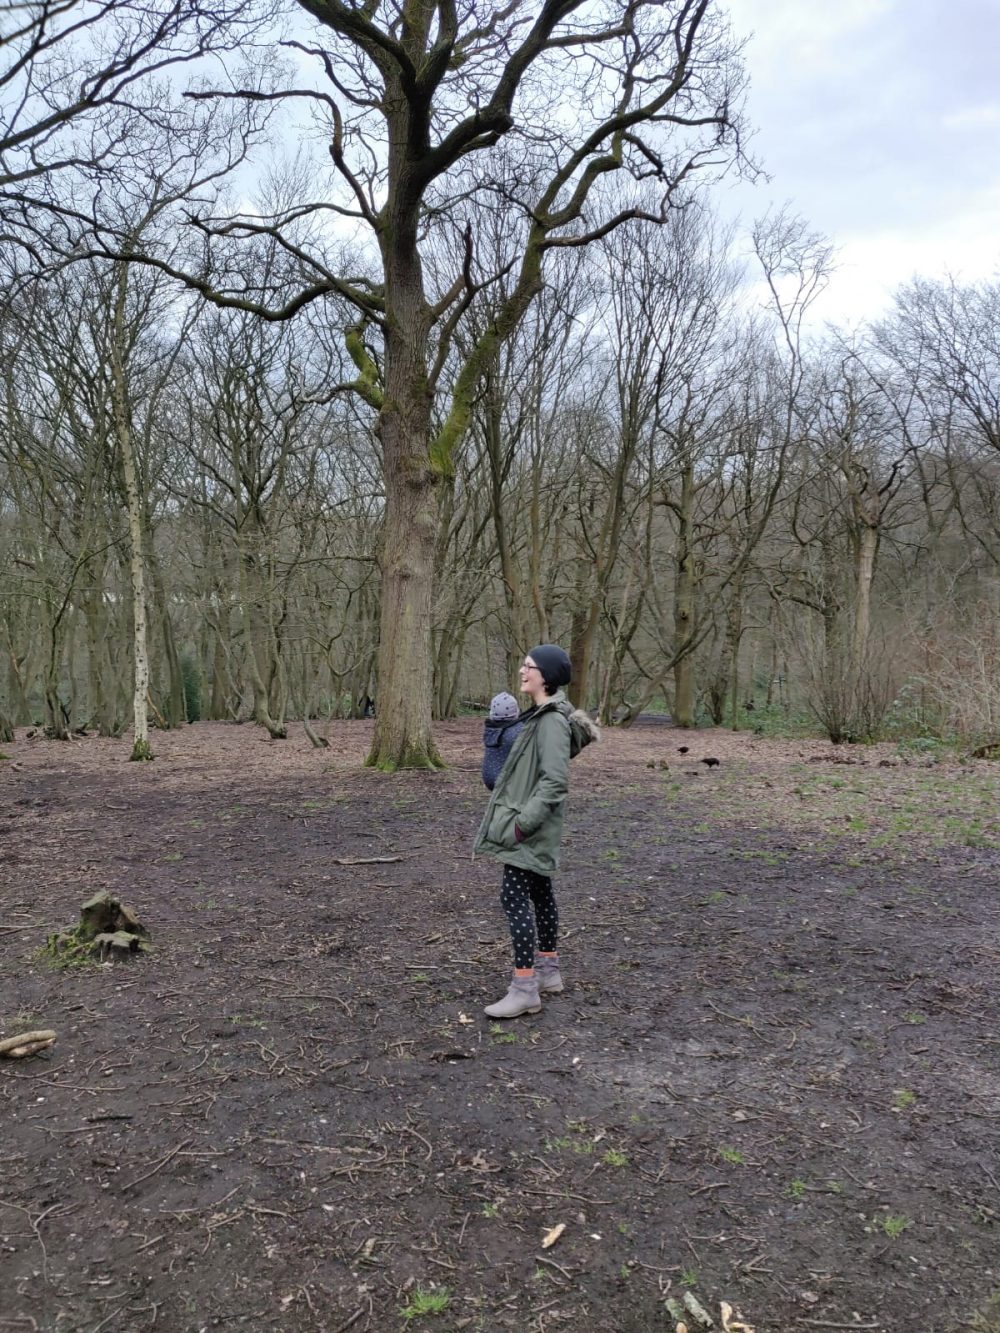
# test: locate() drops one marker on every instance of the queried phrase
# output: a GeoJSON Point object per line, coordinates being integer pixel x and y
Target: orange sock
{"type": "Point", "coordinates": [543, 954]}
{"type": "Point", "coordinates": [524, 971]}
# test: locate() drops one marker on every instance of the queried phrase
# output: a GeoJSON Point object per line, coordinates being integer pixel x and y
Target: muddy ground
{"type": "Point", "coordinates": [773, 1079]}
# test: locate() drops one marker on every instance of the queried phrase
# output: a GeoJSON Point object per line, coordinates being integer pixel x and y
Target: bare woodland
{"type": "Point", "coordinates": [346, 352]}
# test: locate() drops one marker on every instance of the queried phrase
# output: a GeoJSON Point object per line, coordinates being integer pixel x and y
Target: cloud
{"type": "Point", "coordinates": [877, 121]}
{"type": "Point", "coordinates": [986, 116]}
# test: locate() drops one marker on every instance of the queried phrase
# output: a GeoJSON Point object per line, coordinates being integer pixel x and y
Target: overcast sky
{"type": "Point", "coordinates": [879, 122]}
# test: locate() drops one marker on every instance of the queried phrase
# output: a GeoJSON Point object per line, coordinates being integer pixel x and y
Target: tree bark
{"type": "Point", "coordinates": [57, 714]}
{"type": "Point", "coordinates": [685, 581]}
{"type": "Point", "coordinates": [174, 705]}
{"type": "Point", "coordinates": [404, 689]}
{"type": "Point", "coordinates": [137, 569]}
{"type": "Point", "coordinates": [222, 685]}
{"type": "Point", "coordinates": [582, 633]}
{"type": "Point", "coordinates": [20, 708]}
{"type": "Point", "coordinates": [864, 576]}
{"type": "Point", "coordinates": [734, 632]}
{"type": "Point", "coordinates": [103, 693]}
{"type": "Point", "coordinates": [261, 712]}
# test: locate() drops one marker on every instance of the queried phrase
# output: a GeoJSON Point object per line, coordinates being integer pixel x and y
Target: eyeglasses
{"type": "Point", "coordinates": [529, 666]}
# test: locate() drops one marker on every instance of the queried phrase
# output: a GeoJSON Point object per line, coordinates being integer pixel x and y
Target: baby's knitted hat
{"type": "Point", "coordinates": [503, 707]}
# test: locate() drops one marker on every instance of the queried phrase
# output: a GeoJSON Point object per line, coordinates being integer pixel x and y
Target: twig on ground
{"type": "Point", "coordinates": [35, 1224]}
{"type": "Point", "coordinates": [559, 1194]}
{"type": "Point", "coordinates": [363, 860]}
{"type": "Point", "coordinates": [252, 1207]}
{"type": "Point", "coordinates": [832, 1323]}
{"type": "Point", "coordinates": [108, 1318]}
{"type": "Point", "coordinates": [349, 1322]}
{"type": "Point", "coordinates": [408, 1129]}
{"type": "Point", "coordinates": [159, 1165]}
{"type": "Point", "coordinates": [551, 1263]}
{"type": "Point", "coordinates": [741, 1019]}
{"type": "Point", "coordinates": [148, 1244]}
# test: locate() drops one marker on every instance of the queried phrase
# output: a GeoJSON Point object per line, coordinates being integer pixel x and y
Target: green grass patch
{"type": "Point", "coordinates": [425, 1302]}
{"type": "Point", "coordinates": [986, 1320]}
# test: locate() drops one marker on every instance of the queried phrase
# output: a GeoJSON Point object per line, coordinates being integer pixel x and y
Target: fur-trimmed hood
{"type": "Point", "coordinates": [582, 729]}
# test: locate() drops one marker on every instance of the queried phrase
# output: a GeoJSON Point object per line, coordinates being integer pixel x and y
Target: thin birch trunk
{"type": "Point", "coordinates": [141, 748]}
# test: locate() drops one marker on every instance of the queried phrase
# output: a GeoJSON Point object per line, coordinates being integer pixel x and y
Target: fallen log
{"type": "Point", "coordinates": [28, 1043]}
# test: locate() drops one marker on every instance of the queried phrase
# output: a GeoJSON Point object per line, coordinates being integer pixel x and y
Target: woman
{"type": "Point", "coordinates": [522, 826]}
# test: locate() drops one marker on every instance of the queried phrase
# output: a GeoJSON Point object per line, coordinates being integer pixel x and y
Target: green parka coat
{"type": "Point", "coordinates": [531, 789]}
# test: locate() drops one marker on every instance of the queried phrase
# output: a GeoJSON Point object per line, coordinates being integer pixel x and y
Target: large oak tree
{"type": "Point", "coordinates": [559, 115]}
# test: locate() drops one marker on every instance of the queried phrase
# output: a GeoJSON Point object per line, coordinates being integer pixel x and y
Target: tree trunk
{"type": "Point", "coordinates": [137, 568]}
{"type": "Point", "coordinates": [447, 649]}
{"type": "Point", "coordinates": [218, 707]}
{"type": "Point", "coordinates": [261, 713]}
{"type": "Point", "coordinates": [174, 705]}
{"type": "Point", "coordinates": [583, 634]}
{"type": "Point", "coordinates": [865, 574]}
{"type": "Point", "coordinates": [102, 685]}
{"type": "Point", "coordinates": [685, 580]}
{"type": "Point", "coordinates": [734, 631]}
{"type": "Point", "coordinates": [57, 715]}
{"type": "Point", "coordinates": [512, 589]}
{"type": "Point", "coordinates": [535, 560]}
{"type": "Point", "coordinates": [835, 686]}
{"type": "Point", "coordinates": [20, 709]}
{"type": "Point", "coordinates": [404, 689]}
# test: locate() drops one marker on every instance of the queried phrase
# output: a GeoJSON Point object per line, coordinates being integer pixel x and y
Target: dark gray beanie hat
{"type": "Point", "coordinates": [553, 663]}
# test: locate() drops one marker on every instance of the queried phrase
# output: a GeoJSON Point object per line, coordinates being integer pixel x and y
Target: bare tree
{"type": "Point", "coordinates": [851, 493]}
{"type": "Point", "coordinates": [56, 441]}
{"type": "Point", "coordinates": [415, 100]}
{"type": "Point", "coordinates": [937, 358]}
{"type": "Point", "coordinates": [68, 71]}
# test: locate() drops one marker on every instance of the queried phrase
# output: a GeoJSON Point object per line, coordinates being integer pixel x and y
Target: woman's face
{"type": "Point", "coordinates": [532, 683]}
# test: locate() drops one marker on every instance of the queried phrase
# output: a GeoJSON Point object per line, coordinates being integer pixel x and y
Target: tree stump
{"type": "Point", "coordinates": [105, 915]}
{"type": "Point", "coordinates": [109, 930]}
{"type": "Point", "coordinates": [112, 946]}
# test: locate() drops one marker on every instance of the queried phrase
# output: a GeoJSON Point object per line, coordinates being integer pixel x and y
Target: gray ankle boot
{"type": "Point", "coordinates": [547, 971]}
{"type": "Point", "coordinates": [522, 998]}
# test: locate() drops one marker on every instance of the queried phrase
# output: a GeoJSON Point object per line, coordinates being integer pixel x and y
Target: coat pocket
{"type": "Point", "coordinates": [501, 830]}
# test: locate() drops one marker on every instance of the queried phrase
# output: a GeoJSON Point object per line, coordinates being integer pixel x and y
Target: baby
{"type": "Point", "coordinates": [500, 730]}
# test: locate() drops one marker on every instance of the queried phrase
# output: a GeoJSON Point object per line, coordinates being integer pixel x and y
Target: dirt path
{"type": "Point", "coordinates": [773, 1080]}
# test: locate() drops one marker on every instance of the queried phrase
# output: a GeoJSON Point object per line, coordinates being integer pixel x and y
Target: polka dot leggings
{"type": "Point", "coordinates": [520, 892]}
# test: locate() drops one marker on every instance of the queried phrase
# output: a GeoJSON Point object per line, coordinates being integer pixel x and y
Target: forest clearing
{"type": "Point", "coordinates": [773, 1080]}
{"type": "Point", "coordinates": [347, 350]}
